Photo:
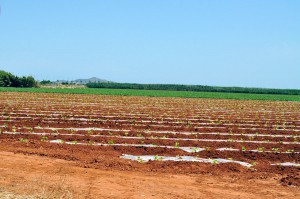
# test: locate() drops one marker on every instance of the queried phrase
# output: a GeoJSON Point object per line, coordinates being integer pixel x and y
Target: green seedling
{"type": "Point", "coordinates": [214, 161]}
{"type": "Point", "coordinates": [110, 142]}
{"type": "Point", "coordinates": [44, 138]}
{"type": "Point", "coordinates": [23, 140]}
{"type": "Point", "coordinates": [140, 160]}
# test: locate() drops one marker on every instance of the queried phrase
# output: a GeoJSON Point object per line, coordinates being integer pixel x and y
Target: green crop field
{"type": "Point", "coordinates": [157, 93]}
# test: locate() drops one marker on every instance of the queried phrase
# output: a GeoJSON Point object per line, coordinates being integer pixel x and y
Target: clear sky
{"type": "Point", "coordinates": [253, 43]}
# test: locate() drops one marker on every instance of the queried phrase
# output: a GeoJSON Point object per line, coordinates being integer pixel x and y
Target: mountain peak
{"type": "Point", "coordinates": [85, 81]}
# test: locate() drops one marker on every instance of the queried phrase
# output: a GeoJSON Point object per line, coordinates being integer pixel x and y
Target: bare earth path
{"type": "Point", "coordinates": [50, 178]}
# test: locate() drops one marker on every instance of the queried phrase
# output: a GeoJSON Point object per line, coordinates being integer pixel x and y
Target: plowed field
{"type": "Point", "coordinates": [247, 139]}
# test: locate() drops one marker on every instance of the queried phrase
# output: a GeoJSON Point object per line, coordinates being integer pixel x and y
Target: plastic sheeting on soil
{"type": "Point", "coordinates": [288, 164]}
{"type": "Point", "coordinates": [146, 158]}
{"type": "Point", "coordinates": [187, 149]}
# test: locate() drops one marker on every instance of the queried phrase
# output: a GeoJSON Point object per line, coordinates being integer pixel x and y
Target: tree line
{"type": "Point", "coordinates": [9, 80]}
{"type": "Point", "coordinates": [195, 88]}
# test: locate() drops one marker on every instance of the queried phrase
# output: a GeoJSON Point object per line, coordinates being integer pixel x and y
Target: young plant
{"type": "Point", "coordinates": [44, 139]}
{"type": "Point", "coordinates": [262, 149]}
{"type": "Point", "coordinates": [110, 142]}
{"type": "Point", "coordinates": [74, 142]}
{"type": "Point", "coordinates": [290, 151]}
{"type": "Point", "coordinates": [276, 150]}
{"type": "Point", "coordinates": [195, 149]}
{"type": "Point", "coordinates": [215, 161]}
{"type": "Point", "coordinates": [23, 140]}
{"type": "Point", "coordinates": [140, 160]}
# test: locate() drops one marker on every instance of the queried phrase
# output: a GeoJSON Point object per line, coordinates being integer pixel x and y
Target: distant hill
{"type": "Point", "coordinates": [90, 80]}
{"type": "Point", "coordinates": [85, 81]}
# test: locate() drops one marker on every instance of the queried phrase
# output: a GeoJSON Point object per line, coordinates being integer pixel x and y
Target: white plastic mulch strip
{"type": "Point", "coordinates": [83, 129]}
{"type": "Point", "coordinates": [142, 123]}
{"type": "Point", "coordinates": [146, 158]}
{"type": "Point", "coordinates": [256, 151]}
{"type": "Point", "coordinates": [288, 164]}
{"type": "Point", "coordinates": [219, 133]}
{"type": "Point", "coordinates": [170, 132]}
{"type": "Point", "coordinates": [210, 124]}
{"type": "Point", "coordinates": [156, 138]}
{"type": "Point", "coordinates": [187, 149]}
{"type": "Point", "coordinates": [227, 149]}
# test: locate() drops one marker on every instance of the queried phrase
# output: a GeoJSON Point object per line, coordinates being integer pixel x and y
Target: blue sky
{"type": "Point", "coordinates": [213, 42]}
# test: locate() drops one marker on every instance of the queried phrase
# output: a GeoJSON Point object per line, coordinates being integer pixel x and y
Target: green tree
{"type": "Point", "coordinates": [6, 79]}
{"type": "Point", "coordinates": [9, 80]}
{"type": "Point", "coordinates": [27, 81]}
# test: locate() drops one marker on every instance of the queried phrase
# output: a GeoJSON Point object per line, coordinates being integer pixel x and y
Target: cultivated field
{"type": "Point", "coordinates": [245, 139]}
{"type": "Point", "coordinates": [155, 93]}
